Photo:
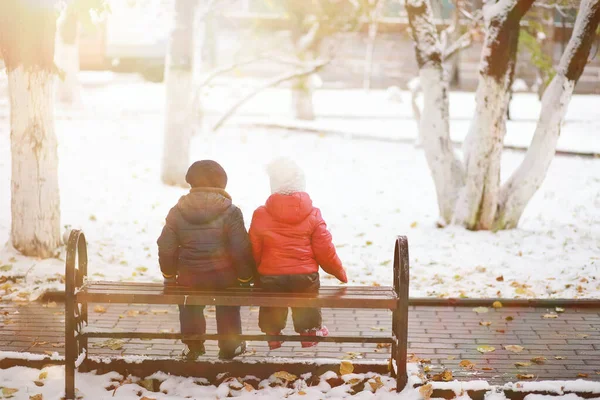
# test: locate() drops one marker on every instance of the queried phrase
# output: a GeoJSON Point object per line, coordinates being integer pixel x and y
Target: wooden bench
{"type": "Point", "coordinates": [80, 292]}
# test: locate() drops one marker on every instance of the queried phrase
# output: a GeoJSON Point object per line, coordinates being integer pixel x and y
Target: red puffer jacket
{"type": "Point", "coordinates": [290, 237]}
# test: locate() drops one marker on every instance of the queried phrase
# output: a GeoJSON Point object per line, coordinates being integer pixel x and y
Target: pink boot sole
{"type": "Point", "coordinates": [323, 331]}
{"type": "Point", "coordinates": [274, 344]}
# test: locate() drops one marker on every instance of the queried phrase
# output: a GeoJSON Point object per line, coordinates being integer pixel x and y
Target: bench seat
{"type": "Point", "coordinates": [156, 293]}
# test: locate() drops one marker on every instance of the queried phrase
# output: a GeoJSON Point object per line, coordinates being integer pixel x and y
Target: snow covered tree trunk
{"type": "Point", "coordinates": [482, 148]}
{"type": "Point", "coordinates": [305, 47]}
{"type": "Point", "coordinates": [526, 180]}
{"type": "Point", "coordinates": [434, 127]}
{"type": "Point", "coordinates": [178, 81]}
{"type": "Point", "coordinates": [28, 55]}
{"type": "Point", "coordinates": [67, 58]}
{"type": "Point", "coordinates": [302, 102]}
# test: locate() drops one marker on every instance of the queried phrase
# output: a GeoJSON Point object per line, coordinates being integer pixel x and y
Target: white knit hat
{"type": "Point", "coordinates": [286, 176]}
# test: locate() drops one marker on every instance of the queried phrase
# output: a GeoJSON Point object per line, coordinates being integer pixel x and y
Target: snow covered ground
{"type": "Point", "coordinates": [22, 383]}
{"type": "Point", "coordinates": [369, 192]}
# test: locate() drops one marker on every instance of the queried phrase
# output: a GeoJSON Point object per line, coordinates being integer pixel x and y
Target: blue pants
{"type": "Point", "coordinates": [228, 323]}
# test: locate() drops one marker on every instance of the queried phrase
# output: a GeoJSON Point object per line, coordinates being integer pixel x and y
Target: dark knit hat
{"type": "Point", "coordinates": [206, 173]}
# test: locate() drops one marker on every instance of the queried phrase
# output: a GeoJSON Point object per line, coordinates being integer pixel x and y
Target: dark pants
{"type": "Point", "coordinates": [273, 319]}
{"type": "Point", "coordinates": [192, 318]}
{"type": "Point", "coordinates": [228, 323]}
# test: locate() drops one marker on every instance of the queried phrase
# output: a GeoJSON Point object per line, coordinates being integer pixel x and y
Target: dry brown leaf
{"type": "Point", "coordinates": [147, 398]}
{"type": "Point", "coordinates": [6, 392]}
{"type": "Point", "coordinates": [497, 304]}
{"type": "Point", "coordinates": [99, 309]}
{"type": "Point", "coordinates": [509, 318]}
{"type": "Point", "coordinates": [525, 376]}
{"type": "Point", "coordinates": [515, 348]}
{"type": "Point", "coordinates": [467, 364]}
{"type": "Point", "coordinates": [164, 311]}
{"type": "Point", "coordinates": [522, 364]}
{"type": "Point", "coordinates": [559, 358]}
{"type": "Point", "coordinates": [485, 349]}
{"type": "Point", "coordinates": [445, 375]}
{"type": "Point", "coordinates": [426, 391]}
{"type": "Point", "coordinates": [383, 345]}
{"type": "Point", "coordinates": [487, 369]}
{"type": "Point", "coordinates": [301, 392]}
{"type": "Point", "coordinates": [248, 387]}
{"type": "Point", "coordinates": [346, 367]}
{"type": "Point", "coordinates": [38, 383]}
{"type": "Point", "coordinates": [485, 323]}
{"type": "Point", "coordinates": [36, 397]}
{"type": "Point", "coordinates": [286, 376]}
{"type": "Point", "coordinates": [582, 375]}
{"type": "Point", "coordinates": [500, 278]}
{"type": "Point", "coordinates": [539, 360]}
{"type": "Point", "coordinates": [480, 310]}
{"type": "Point", "coordinates": [376, 383]}
{"type": "Point", "coordinates": [132, 313]}
{"type": "Point", "coordinates": [550, 316]}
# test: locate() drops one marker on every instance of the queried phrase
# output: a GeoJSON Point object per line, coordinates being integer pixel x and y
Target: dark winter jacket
{"type": "Point", "coordinates": [204, 241]}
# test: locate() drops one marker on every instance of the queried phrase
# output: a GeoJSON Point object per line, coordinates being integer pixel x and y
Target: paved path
{"type": "Point", "coordinates": [570, 342]}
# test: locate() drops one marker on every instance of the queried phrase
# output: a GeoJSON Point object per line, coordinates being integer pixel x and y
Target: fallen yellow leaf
{"type": "Point", "coordinates": [485, 323]}
{"type": "Point", "coordinates": [36, 397]}
{"type": "Point", "coordinates": [515, 348]}
{"type": "Point", "coordinates": [485, 349]}
{"type": "Point", "coordinates": [426, 391]}
{"type": "Point", "coordinates": [480, 310]}
{"type": "Point", "coordinates": [8, 391]}
{"type": "Point", "coordinates": [522, 364]}
{"type": "Point", "coordinates": [302, 393]}
{"type": "Point", "coordinates": [550, 316]}
{"type": "Point", "coordinates": [100, 309]}
{"type": "Point", "coordinates": [248, 387]}
{"type": "Point", "coordinates": [467, 364]}
{"type": "Point", "coordinates": [286, 376]}
{"type": "Point", "coordinates": [497, 304]}
{"type": "Point", "coordinates": [413, 224]}
{"type": "Point", "coordinates": [376, 383]}
{"type": "Point", "coordinates": [525, 376]}
{"type": "Point", "coordinates": [559, 310]}
{"type": "Point", "coordinates": [346, 367]}
{"type": "Point", "coordinates": [445, 375]}
{"type": "Point", "coordinates": [582, 375]}
{"type": "Point", "coordinates": [538, 360]}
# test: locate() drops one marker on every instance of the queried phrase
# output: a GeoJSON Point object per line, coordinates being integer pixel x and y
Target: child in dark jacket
{"type": "Point", "coordinates": [204, 244]}
{"type": "Point", "coordinates": [289, 241]}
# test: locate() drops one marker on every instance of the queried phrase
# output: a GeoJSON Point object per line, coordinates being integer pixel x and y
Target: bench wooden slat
{"type": "Point", "coordinates": [235, 299]}
{"type": "Point", "coordinates": [258, 337]}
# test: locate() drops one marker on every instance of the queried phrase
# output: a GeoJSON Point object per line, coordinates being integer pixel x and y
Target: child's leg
{"type": "Point", "coordinates": [192, 322]}
{"type": "Point", "coordinates": [272, 319]}
{"type": "Point", "coordinates": [306, 319]}
{"type": "Point", "coordinates": [229, 322]}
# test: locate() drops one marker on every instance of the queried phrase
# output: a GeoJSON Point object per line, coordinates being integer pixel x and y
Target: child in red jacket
{"type": "Point", "coordinates": [290, 241]}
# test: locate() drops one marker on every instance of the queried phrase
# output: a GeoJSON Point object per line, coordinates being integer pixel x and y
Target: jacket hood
{"type": "Point", "coordinates": [203, 205]}
{"type": "Point", "coordinates": [290, 209]}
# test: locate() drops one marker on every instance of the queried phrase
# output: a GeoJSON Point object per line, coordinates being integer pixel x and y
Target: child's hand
{"type": "Point", "coordinates": [170, 281]}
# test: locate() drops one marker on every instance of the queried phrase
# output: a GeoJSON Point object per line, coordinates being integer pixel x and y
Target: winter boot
{"type": "Point", "coordinates": [191, 353]}
{"type": "Point", "coordinates": [322, 331]}
{"type": "Point", "coordinates": [230, 354]}
{"type": "Point", "coordinates": [274, 344]}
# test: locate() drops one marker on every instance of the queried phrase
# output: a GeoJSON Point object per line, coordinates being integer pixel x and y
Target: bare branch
{"type": "Point", "coordinates": [460, 44]}
{"type": "Point", "coordinates": [278, 80]}
{"type": "Point", "coordinates": [219, 71]}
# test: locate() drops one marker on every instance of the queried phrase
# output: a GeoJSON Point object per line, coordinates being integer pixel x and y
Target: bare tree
{"type": "Point", "coordinates": [29, 58]}
{"type": "Point", "coordinates": [179, 99]}
{"type": "Point", "coordinates": [469, 191]}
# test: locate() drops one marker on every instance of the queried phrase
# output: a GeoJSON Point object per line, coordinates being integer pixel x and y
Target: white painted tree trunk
{"type": "Point", "coordinates": [527, 179]}
{"type": "Point", "coordinates": [482, 149]}
{"type": "Point", "coordinates": [302, 99]}
{"type": "Point", "coordinates": [35, 201]}
{"type": "Point", "coordinates": [67, 59]}
{"type": "Point", "coordinates": [446, 169]}
{"type": "Point", "coordinates": [179, 97]}
{"type": "Point", "coordinates": [434, 126]}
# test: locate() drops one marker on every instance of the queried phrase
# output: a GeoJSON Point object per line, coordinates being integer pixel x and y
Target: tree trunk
{"type": "Point", "coordinates": [454, 73]}
{"type": "Point", "coordinates": [28, 55]}
{"type": "Point", "coordinates": [482, 148]}
{"type": "Point", "coordinates": [178, 81]}
{"type": "Point", "coordinates": [445, 168]}
{"type": "Point", "coordinates": [526, 180]}
{"type": "Point", "coordinates": [302, 101]}
{"type": "Point", "coordinates": [67, 58]}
